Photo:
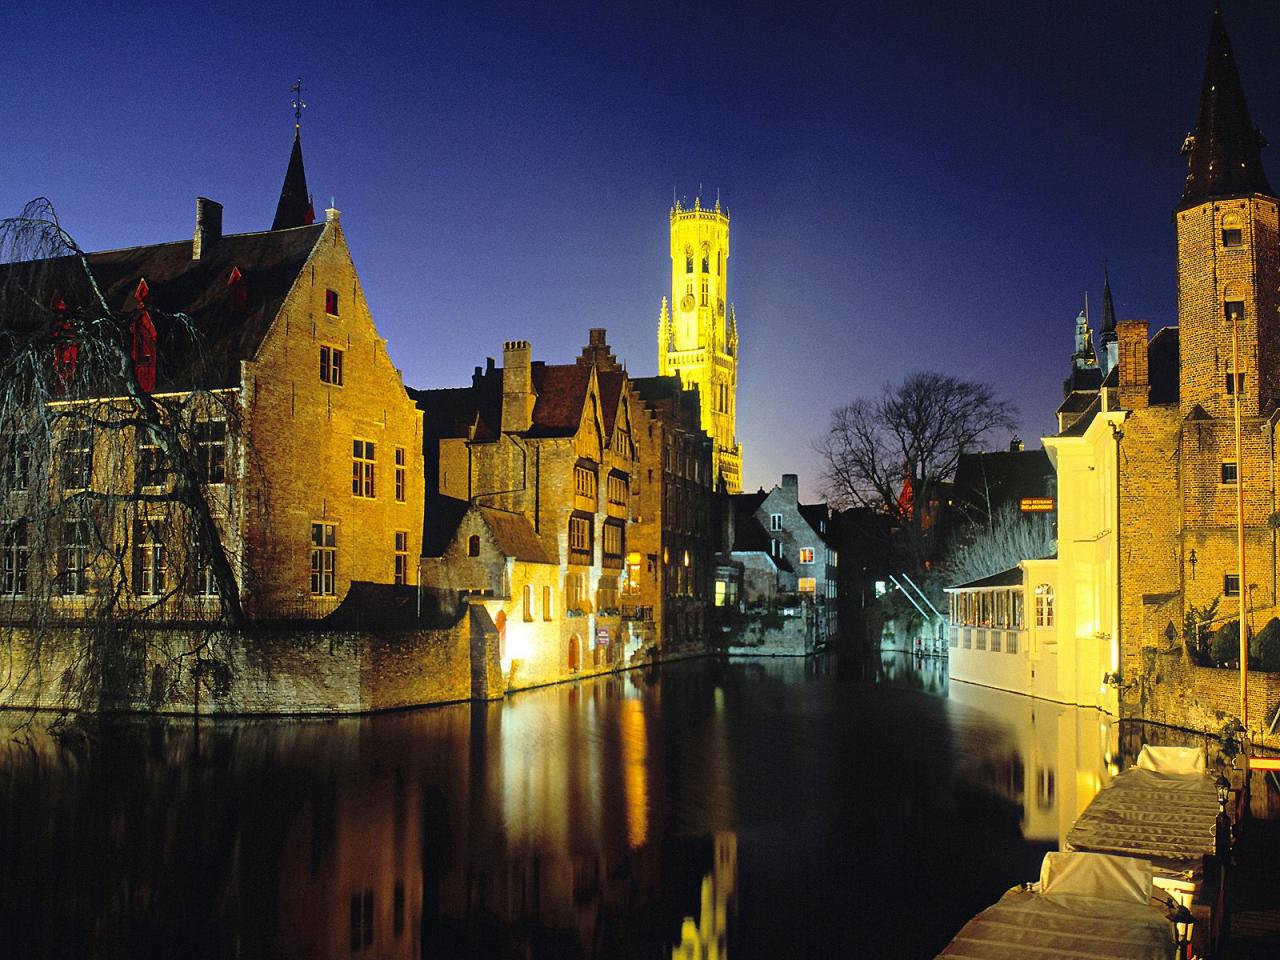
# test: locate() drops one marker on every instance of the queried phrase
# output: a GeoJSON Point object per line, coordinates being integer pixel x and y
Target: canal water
{"type": "Point", "coordinates": [749, 808]}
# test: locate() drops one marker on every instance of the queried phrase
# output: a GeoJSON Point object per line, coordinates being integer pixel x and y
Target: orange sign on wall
{"type": "Point", "coordinates": [1036, 504]}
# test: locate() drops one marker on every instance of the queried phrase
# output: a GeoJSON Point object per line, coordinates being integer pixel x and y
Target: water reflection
{"type": "Point", "coordinates": [761, 808]}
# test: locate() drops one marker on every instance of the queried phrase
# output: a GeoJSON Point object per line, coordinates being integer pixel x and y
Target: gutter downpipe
{"type": "Point", "coordinates": [1244, 580]}
{"type": "Point", "coordinates": [1118, 434]}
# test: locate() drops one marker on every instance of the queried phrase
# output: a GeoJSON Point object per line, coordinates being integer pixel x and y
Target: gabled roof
{"type": "Point", "coordinates": [561, 393]}
{"type": "Point", "coordinates": [1224, 155]}
{"type": "Point", "coordinates": [1163, 369]}
{"type": "Point", "coordinates": [229, 330]}
{"type": "Point", "coordinates": [442, 517]}
{"type": "Point", "coordinates": [817, 515]}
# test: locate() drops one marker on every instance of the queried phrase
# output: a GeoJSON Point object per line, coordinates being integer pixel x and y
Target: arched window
{"type": "Point", "coordinates": [1044, 605]}
{"type": "Point", "coordinates": [706, 262]}
{"type": "Point", "coordinates": [1232, 230]}
{"type": "Point", "coordinates": [688, 261]}
{"type": "Point", "coordinates": [528, 603]}
{"type": "Point", "coordinates": [575, 654]}
{"type": "Point", "coordinates": [473, 545]}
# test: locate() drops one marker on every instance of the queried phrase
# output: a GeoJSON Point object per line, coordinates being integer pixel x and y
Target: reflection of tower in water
{"type": "Point", "coordinates": [707, 936]}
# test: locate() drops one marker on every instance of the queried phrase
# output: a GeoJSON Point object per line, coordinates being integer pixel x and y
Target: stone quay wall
{"type": "Point", "coordinates": [285, 671]}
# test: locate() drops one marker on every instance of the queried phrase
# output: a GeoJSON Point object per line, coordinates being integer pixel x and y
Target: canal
{"type": "Point", "coordinates": [755, 808]}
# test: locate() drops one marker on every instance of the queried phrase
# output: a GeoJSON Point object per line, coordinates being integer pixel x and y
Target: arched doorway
{"type": "Point", "coordinates": [575, 654]}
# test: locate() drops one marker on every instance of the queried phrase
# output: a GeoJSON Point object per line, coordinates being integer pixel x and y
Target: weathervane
{"type": "Point", "coordinates": [298, 104]}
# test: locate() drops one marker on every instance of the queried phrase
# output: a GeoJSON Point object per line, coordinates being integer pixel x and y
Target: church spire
{"type": "Point", "coordinates": [294, 208]}
{"type": "Point", "coordinates": [1110, 351]}
{"type": "Point", "coordinates": [1224, 155]}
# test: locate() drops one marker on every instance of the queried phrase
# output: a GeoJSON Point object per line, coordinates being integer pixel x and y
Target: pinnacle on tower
{"type": "Point", "coordinates": [1224, 155]}
{"type": "Point", "coordinates": [1110, 345]}
{"type": "Point", "coordinates": [294, 208]}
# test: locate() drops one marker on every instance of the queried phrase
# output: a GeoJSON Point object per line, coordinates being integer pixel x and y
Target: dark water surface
{"type": "Point", "coordinates": [756, 808]}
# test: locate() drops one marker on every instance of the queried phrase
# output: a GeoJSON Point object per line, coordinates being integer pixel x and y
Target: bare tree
{"type": "Point", "coordinates": [914, 431]}
{"type": "Point", "coordinates": [114, 497]}
{"type": "Point", "coordinates": [999, 543]}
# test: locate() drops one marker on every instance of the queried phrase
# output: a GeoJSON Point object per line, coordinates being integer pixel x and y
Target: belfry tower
{"type": "Point", "coordinates": [698, 335]}
{"type": "Point", "coordinates": [1228, 274]}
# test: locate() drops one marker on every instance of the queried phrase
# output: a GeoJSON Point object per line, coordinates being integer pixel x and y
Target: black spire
{"type": "Point", "coordinates": [1224, 155]}
{"type": "Point", "coordinates": [294, 208]}
{"type": "Point", "coordinates": [1108, 305]}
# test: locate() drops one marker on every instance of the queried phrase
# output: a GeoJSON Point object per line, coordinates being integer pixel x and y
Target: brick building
{"type": "Point", "coordinates": [306, 447]}
{"type": "Point", "coordinates": [670, 563]}
{"type": "Point", "coordinates": [1148, 466]}
{"type": "Point", "coordinates": [552, 444]}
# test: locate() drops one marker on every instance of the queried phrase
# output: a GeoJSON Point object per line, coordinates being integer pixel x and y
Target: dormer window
{"type": "Point", "coordinates": [331, 302]}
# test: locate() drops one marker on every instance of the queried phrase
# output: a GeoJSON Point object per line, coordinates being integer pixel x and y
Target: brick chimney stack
{"type": "Point", "coordinates": [208, 227]}
{"type": "Point", "coordinates": [517, 386]}
{"type": "Point", "coordinates": [1135, 381]}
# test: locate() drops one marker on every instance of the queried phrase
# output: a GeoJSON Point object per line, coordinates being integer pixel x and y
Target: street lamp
{"type": "Point", "coordinates": [1183, 923]}
{"type": "Point", "coordinates": [1222, 823]}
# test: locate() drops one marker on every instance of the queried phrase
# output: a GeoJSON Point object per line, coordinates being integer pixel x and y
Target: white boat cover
{"type": "Point", "coordinates": [1171, 760]}
{"type": "Point", "coordinates": [1113, 921]}
{"type": "Point", "coordinates": [1167, 818]}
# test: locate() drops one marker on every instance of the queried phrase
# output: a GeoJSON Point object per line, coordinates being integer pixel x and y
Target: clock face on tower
{"type": "Point", "coordinates": [687, 302]}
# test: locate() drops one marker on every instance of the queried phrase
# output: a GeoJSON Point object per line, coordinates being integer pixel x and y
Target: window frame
{"type": "Point", "coordinates": [324, 558]}
{"type": "Point", "coordinates": [1227, 580]}
{"type": "Point", "coordinates": [332, 365]}
{"type": "Point", "coordinates": [364, 461]}
{"type": "Point", "coordinates": [401, 466]}
{"type": "Point", "coordinates": [1232, 467]}
{"type": "Point", "coordinates": [400, 565]}
{"type": "Point", "coordinates": [15, 558]}
{"type": "Point", "coordinates": [150, 557]}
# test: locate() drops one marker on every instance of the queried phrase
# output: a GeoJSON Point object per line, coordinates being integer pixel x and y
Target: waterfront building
{"type": "Point", "coordinates": [282, 342]}
{"type": "Point", "coordinates": [552, 443]}
{"type": "Point", "coordinates": [1148, 464]}
{"type": "Point", "coordinates": [781, 566]}
{"type": "Point", "coordinates": [698, 334]}
{"type": "Point", "coordinates": [670, 556]}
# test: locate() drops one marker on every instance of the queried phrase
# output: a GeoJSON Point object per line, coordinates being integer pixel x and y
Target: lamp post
{"type": "Point", "coordinates": [1222, 824]}
{"type": "Point", "coordinates": [1183, 923]}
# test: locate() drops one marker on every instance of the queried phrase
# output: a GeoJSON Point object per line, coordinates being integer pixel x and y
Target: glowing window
{"type": "Point", "coordinates": [806, 555]}
{"type": "Point", "coordinates": [1044, 605]}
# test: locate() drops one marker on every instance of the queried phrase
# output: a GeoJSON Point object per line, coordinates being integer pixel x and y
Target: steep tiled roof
{"type": "Point", "coordinates": [1224, 155]}
{"type": "Point", "coordinates": [561, 391]}
{"type": "Point", "coordinates": [515, 536]}
{"type": "Point", "coordinates": [442, 516]}
{"type": "Point", "coordinates": [228, 331]}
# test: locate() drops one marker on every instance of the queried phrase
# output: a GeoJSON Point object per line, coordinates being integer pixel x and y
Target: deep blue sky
{"type": "Point", "coordinates": [912, 185]}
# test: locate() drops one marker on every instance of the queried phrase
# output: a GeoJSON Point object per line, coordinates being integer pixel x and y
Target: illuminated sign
{"type": "Point", "coordinates": [1036, 504]}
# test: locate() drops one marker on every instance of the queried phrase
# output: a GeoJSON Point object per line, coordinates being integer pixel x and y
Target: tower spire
{"type": "Point", "coordinates": [1108, 305]}
{"type": "Point", "coordinates": [1224, 155]}
{"type": "Point", "coordinates": [294, 208]}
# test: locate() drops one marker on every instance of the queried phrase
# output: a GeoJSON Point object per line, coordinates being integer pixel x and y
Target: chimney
{"type": "Point", "coordinates": [1135, 385]}
{"type": "Point", "coordinates": [208, 227]}
{"type": "Point", "coordinates": [517, 386]}
{"type": "Point", "coordinates": [791, 486]}
{"type": "Point", "coordinates": [597, 353]}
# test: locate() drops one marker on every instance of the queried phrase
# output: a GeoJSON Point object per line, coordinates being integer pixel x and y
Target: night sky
{"type": "Point", "coordinates": [911, 185]}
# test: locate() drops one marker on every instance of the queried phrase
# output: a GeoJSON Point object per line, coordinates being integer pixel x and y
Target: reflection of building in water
{"type": "Point", "coordinates": [351, 868]}
{"type": "Point", "coordinates": [707, 936]}
{"type": "Point", "coordinates": [1053, 761]}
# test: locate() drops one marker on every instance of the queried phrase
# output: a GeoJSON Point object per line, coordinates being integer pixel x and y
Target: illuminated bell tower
{"type": "Point", "coordinates": [698, 332]}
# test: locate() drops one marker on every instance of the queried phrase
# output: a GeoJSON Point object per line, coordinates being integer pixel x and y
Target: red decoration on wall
{"type": "Point", "coordinates": [906, 499]}
{"type": "Point", "coordinates": [65, 349]}
{"type": "Point", "coordinates": [144, 340]}
{"type": "Point", "coordinates": [310, 218]}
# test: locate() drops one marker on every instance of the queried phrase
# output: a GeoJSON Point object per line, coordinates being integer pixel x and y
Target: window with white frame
{"type": "Point", "coordinates": [211, 450]}
{"type": "Point", "coordinates": [15, 559]}
{"type": "Point", "coordinates": [807, 585]}
{"type": "Point", "coordinates": [73, 558]}
{"type": "Point", "coordinates": [775, 521]}
{"type": "Point", "coordinates": [400, 475]}
{"type": "Point", "coordinates": [75, 453]}
{"type": "Point", "coordinates": [324, 558]}
{"type": "Point", "coordinates": [806, 555]}
{"type": "Point", "coordinates": [1044, 605]}
{"type": "Point", "coordinates": [363, 459]}
{"type": "Point", "coordinates": [150, 562]}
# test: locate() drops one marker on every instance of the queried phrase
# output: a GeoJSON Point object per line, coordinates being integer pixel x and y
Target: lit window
{"type": "Point", "coordinates": [211, 450]}
{"type": "Point", "coordinates": [527, 597]}
{"type": "Point", "coordinates": [808, 585]}
{"type": "Point", "coordinates": [400, 475]}
{"type": "Point", "coordinates": [1231, 584]}
{"type": "Point", "coordinates": [1232, 237]}
{"type": "Point", "coordinates": [402, 557]}
{"type": "Point", "coordinates": [1044, 605]}
{"type": "Point", "coordinates": [362, 464]}
{"type": "Point", "coordinates": [15, 560]}
{"type": "Point", "coordinates": [324, 558]}
{"type": "Point", "coordinates": [617, 490]}
{"type": "Point", "coordinates": [149, 560]}
{"type": "Point", "coordinates": [331, 302]}
{"type": "Point", "coordinates": [331, 366]}
{"type": "Point", "coordinates": [806, 555]}
{"type": "Point", "coordinates": [580, 534]}
{"type": "Point", "coordinates": [612, 540]}
{"type": "Point", "coordinates": [775, 521]}
{"type": "Point", "coordinates": [546, 603]}
{"type": "Point", "coordinates": [584, 482]}
{"type": "Point", "coordinates": [1228, 471]}
{"type": "Point", "coordinates": [632, 583]}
